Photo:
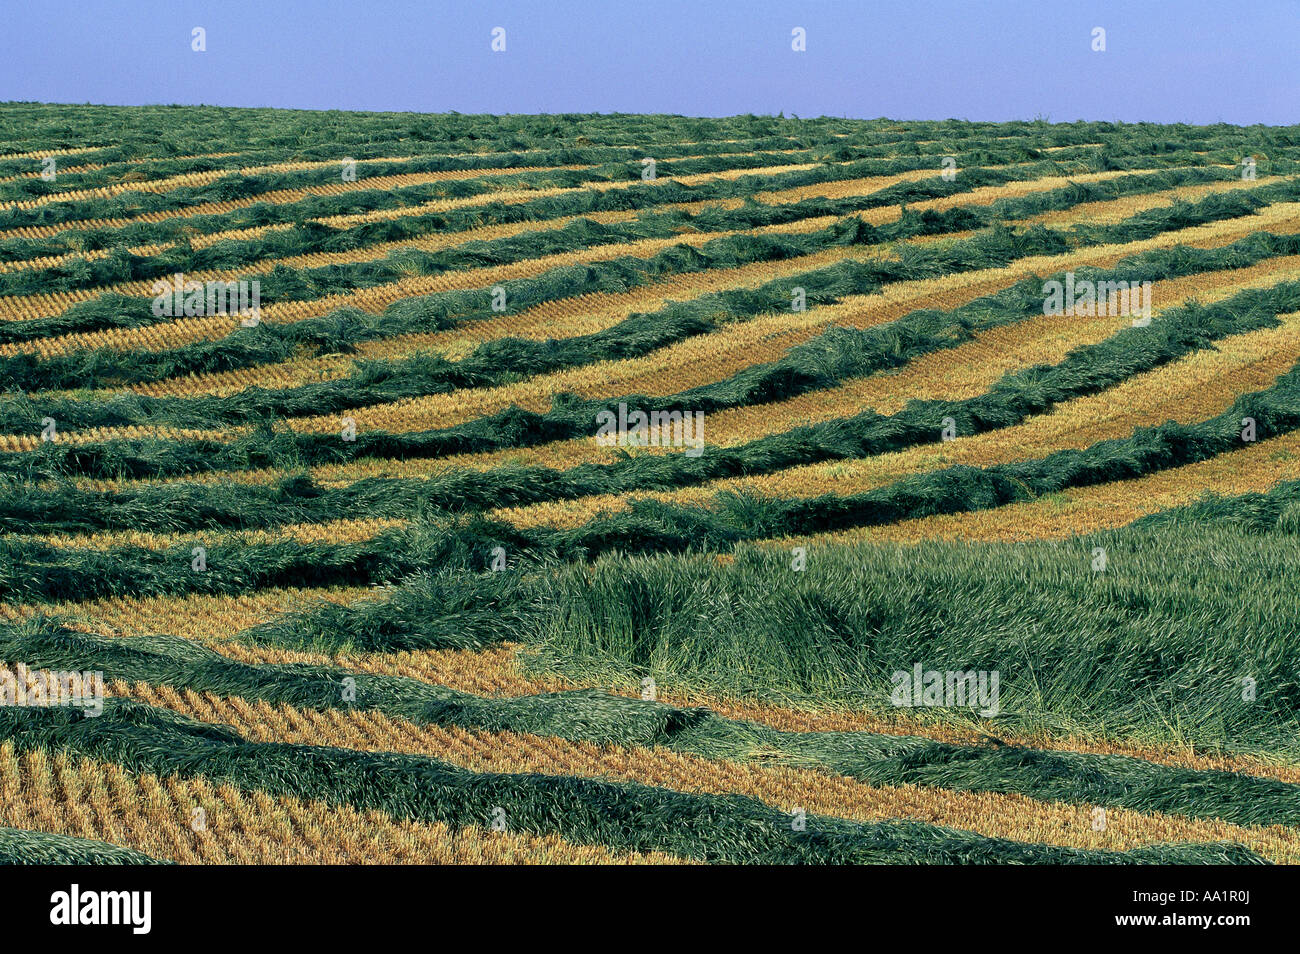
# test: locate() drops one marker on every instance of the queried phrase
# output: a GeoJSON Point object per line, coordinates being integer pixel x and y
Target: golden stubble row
{"type": "Point", "coordinates": [503, 671]}
{"type": "Point", "coordinates": [196, 616]}
{"type": "Point", "coordinates": [498, 671]}
{"type": "Point", "coordinates": [1253, 469]}
{"type": "Point", "coordinates": [184, 331]}
{"type": "Point", "coordinates": [664, 369]}
{"type": "Point", "coordinates": [333, 532]}
{"type": "Point", "coordinates": [708, 358]}
{"type": "Point", "coordinates": [571, 312]}
{"type": "Point", "coordinates": [1016, 817]}
{"type": "Point", "coordinates": [1197, 386]}
{"type": "Point", "coordinates": [197, 821]}
{"type": "Point", "coordinates": [952, 374]}
{"type": "Point", "coordinates": [22, 306]}
{"type": "Point", "coordinates": [483, 233]}
{"type": "Point", "coordinates": [35, 306]}
{"type": "Point", "coordinates": [557, 319]}
{"type": "Point", "coordinates": [93, 166]}
{"type": "Point", "coordinates": [147, 336]}
{"type": "Point", "coordinates": [1113, 211]}
{"type": "Point", "coordinates": [33, 232]}
{"type": "Point", "coordinates": [199, 241]}
{"type": "Point", "coordinates": [317, 259]}
{"type": "Point", "coordinates": [375, 299]}
{"type": "Point", "coordinates": [183, 180]}
{"type": "Point", "coordinates": [776, 337]}
{"type": "Point", "coordinates": [190, 179]}
{"type": "Point", "coordinates": [536, 391]}
{"type": "Point", "coordinates": [276, 197]}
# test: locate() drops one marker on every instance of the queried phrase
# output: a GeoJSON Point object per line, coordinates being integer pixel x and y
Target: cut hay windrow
{"type": "Point", "coordinates": [1197, 386]}
{"type": "Point", "coordinates": [1004, 208]}
{"type": "Point", "coordinates": [675, 152]}
{"type": "Point", "coordinates": [223, 383]}
{"type": "Point", "coordinates": [499, 672]}
{"type": "Point", "coordinates": [1011, 816]}
{"type": "Point", "coordinates": [200, 617]}
{"type": "Point", "coordinates": [716, 178]}
{"type": "Point", "coordinates": [193, 821]}
{"type": "Point", "coordinates": [1090, 509]}
{"type": "Point", "coordinates": [35, 307]}
{"type": "Point", "coordinates": [980, 248]}
{"type": "Point", "coordinates": [302, 179]}
{"type": "Point", "coordinates": [1087, 369]}
{"type": "Point", "coordinates": [621, 817]}
{"type": "Point", "coordinates": [956, 374]}
{"type": "Point", "coordinates": [195, 179]}
{"type": "Point", "coordinates": [675, 224]}
{"type": "Point", "coordinates": [1188, 261]}
{"type": "Point", "coordinates": [364, 247]}
{"type": "Point", "coordinates": [191, 336]}
{"type": "Point", "coordinates": [238, 567]}
{"type": "Point", "coordinates": [606, 719]}
{"type": "Point", "coordinates": [111, 170]}
{"type": "Point", "coordinates": [557, 319]}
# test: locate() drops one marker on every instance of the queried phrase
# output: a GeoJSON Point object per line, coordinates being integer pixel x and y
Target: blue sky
{"type": "Point", "coordinates": [1191, 61]}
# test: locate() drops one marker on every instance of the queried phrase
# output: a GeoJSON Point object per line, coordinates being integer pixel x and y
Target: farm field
{"type": "Point", "coordinates": [396, 488]}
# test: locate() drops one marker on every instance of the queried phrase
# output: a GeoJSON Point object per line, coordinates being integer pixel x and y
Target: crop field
{"type": "Point", "coordinates": [637, 489]}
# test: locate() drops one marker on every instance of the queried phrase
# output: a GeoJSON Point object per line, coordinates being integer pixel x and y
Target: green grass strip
{"type": "Point", "coordinates": [19, 846]}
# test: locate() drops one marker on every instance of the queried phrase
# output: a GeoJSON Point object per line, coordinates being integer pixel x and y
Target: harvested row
{"type": "Point", "coordinates": [199, 616]}
{"type": "Point", "coordinates": [187, 330]}
{"type": "Point", "coordinates": [898, 292]}
{"type": "Point", "coordinates": [971, 369]}
{"type": "Point", "coordinates": [891, 215]}
{"type": "Point", "coordinates": [107, 163]}
{"type": "Point", "coordinates": [502, 671]}
{"type": "Point", "coordinates": [616, 815]}
{"type": "Point", "coordinates": [1253, 469]}
{"type": "Point", "coordinates": [1117, 210]}
{"type": "Point", "coordinates": [144, 288]}
{"type": "Point", "coordinates": [708, 358]}
{"type": "Point", "coordinates": [497, 672]}
{"type": "Point", "coordinates": [39, 306]}
{"type": "Point", "coordinates": [344, 222]}
{"type": "Point", "coordinates": [161, 186]}
{"type": "Point", "coordinates": [560, 318]}
{"type": "Point", "coordinates": [952, 374]}
{"type": "Point", "coordinates": [341, 531]}
{"type": "Point", "coordinates": [1014, 817]}
{"type": "Point", "coordinates": [42, 153]}
{"type": "Point", "coordinates": [316, 369]}
{"type": "Point", "coordinates": [979, 197]}
{"type": "Point", "coordinates": [614, 721]}
{"type": "Point", "coordinates": [191, 355]}
{"type": "Point", "coordinates": [193, 821]}
{"type": "Point", "coordinates": [1264, 349]}
{"type": "Point", "coordinates": [276, 197]}
{"type": "Point", "coordinates": [1198, 386]}
{"type": "Point", "coordinates": [392, 555]}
